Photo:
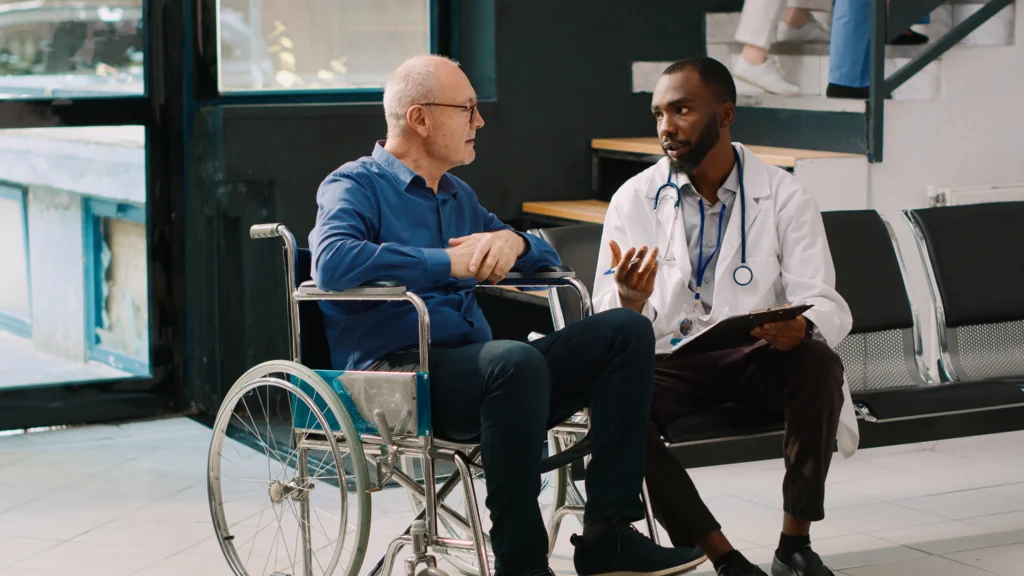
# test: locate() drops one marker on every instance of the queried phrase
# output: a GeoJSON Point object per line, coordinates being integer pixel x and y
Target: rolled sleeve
{"type": "Point", "coordinates": [538, 253]}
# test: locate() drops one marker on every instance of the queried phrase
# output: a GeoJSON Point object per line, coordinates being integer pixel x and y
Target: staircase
{"type": "Point", "coordinates": [806, 65]}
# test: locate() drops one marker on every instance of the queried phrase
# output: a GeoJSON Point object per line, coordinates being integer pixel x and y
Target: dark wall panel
{"type": "Point", "coordinates": [563, 77]}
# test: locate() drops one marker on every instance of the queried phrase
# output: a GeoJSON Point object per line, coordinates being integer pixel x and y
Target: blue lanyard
{"type": "Point", "coordinates": [702, 265]}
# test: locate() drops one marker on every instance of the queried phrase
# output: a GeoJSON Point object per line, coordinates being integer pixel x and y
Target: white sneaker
{"type": "Point", "coordinates": [765, 76]}
{"type": "Point", "coordinates": [808, 33]}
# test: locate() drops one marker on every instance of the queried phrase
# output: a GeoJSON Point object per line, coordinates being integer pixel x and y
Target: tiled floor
{"type": "Point", "coordinates": [123, 500]}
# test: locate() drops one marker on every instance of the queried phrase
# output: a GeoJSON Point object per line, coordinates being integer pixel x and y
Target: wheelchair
{"type": "Point", "coordinates": [298, 450]}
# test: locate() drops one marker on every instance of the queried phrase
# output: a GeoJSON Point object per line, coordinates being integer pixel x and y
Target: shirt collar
{"type": "Point", "coordinates": [405, 176]}
{"type": "Point", "coordinates": [726, 192]}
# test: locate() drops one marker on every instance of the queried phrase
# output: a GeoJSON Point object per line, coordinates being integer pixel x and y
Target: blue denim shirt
{"type": "Point", "coordinates": [378, 220]}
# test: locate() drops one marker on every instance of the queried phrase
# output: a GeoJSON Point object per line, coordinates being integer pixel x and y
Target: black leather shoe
{"type": "Point", "coordinates": [909, 38]}
{"type": "Point", "coordinates": [840, 91]}
{"type": "Point", "coordinates": [802, 563]}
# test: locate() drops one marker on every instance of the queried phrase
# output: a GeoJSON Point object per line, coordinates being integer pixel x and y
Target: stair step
{"type": "Point", "coordinates": [810, 103]}
{"type": "Point", "coordinates": [810, 73]}
{"type": "Point", "coordinates": [999, 31]}
{"type": "Point", "coordinates": [821, 49]}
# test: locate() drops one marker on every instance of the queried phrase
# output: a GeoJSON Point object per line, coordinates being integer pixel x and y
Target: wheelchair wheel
{"type": "Point", "coordinates": [552, 497]}
{"type": "Point", "coordinates": [287, 478]}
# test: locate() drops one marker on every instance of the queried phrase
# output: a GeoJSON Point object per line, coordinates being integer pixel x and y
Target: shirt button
{"type": "Point", "coordinates": [711, 244]}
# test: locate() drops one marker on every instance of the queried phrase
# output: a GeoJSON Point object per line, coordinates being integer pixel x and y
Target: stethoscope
{"type": "Point", "coordinates": [742, 275]}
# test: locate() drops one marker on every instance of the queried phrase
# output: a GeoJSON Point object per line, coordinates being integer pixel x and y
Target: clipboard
{"type": "Point", "coordinates": [734, 331]}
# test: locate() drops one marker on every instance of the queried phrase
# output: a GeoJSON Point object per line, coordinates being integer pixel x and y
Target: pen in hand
{"type": "Point", "coordinates": [612, 270]}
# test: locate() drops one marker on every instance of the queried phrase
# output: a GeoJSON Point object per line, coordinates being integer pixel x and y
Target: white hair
{"type": "Point", "coordinates": [413, 82]}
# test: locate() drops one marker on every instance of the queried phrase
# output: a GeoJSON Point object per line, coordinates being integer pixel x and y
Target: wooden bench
{"type": "Point", "coordinates": [838, 181]}
{"type": "Point", "coordinates": [566, 211]}
{"type": "Point", "coordinates": [639, 148]}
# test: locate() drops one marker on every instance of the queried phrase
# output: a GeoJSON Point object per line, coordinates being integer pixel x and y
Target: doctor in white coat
{"type": "Point", "coordinates": [730, 235]}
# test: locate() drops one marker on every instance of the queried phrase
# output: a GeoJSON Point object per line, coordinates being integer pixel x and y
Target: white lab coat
{"type": "Point", "coordinates": [786, 249]}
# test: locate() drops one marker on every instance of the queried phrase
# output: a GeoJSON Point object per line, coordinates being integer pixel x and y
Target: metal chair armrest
{"type": "Point", "coordinates": [544, 272]}
{"type": "Point", "coordinates": [548, 277]}
{"type": "Point", "coordinates": [382, 290]}
{"type": "Point", "coordinates": [309, 291]}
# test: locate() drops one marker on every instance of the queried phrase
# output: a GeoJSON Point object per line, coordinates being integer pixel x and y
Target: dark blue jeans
{"type": "Point", "coordinates": [507, 394]}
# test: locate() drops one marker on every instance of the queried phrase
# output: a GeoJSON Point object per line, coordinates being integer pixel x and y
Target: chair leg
{"type": "Point", "coordinates": [556, 524]}
{"type": "Point", "coordinates": [652, 526]}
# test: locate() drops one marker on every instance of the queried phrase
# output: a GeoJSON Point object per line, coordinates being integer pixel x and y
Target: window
{"type": "Point", "coordinates": [317, 44]}
{"type": "Point", "coordinates": [64, 48]}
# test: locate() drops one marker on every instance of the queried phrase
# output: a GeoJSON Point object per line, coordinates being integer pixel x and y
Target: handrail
{"type": "Point", "coordinates": [888, 22]}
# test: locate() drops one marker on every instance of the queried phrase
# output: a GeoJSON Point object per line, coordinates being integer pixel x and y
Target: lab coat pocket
{"type": "Point", "coordinates": [766, 272]}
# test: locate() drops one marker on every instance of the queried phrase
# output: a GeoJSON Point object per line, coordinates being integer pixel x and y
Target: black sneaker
{"type": "Point", "coordinates": [803, 563]}
{"type": "Point", "coordinates": [623, 551]}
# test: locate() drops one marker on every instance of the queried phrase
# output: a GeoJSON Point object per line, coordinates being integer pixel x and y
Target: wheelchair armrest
{"type": "Point", "coordinates": [544, 272]}
{"type": "Point", "coordinates": [548, 277]}
{"type": "Point", "coordinates": [309, 291]}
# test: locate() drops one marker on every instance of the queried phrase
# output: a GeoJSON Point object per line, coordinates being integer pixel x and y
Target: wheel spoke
{"type": "Point", "coordinates": [266, 448]}
{"type": "Point", "coordinates": [280, 532]}
{"type": "Point", "coordinates": [238, 486]}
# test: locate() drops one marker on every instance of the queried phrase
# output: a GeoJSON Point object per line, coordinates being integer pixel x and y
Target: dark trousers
{"type": "Point", "coordinates": [507, 394]}
{"type": "Point", "coordinates": [805, 384]}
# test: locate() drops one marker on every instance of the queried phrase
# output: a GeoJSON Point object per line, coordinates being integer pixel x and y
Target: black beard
{"type": "Point", "coordinates": [706, 141]}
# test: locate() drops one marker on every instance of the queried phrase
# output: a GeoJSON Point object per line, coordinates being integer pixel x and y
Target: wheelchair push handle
{"type": "Point", "coordinates": [259, 231]}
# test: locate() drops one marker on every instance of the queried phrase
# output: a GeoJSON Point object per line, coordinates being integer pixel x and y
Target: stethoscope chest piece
{"type": "Point", "coordinates": [743, 275]}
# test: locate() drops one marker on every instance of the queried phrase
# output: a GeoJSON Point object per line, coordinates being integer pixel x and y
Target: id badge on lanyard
{"type": "Point", "coordinates": [687, 324]}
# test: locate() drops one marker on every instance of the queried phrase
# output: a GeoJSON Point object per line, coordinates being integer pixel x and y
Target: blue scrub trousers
{"type": "Point", "coordinates": [850, 45]}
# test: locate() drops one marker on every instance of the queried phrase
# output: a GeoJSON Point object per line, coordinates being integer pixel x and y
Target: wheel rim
{"type": "Point", "coordinates": [272, 472]}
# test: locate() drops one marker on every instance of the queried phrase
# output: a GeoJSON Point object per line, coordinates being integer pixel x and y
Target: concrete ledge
{"type": "Point", "coordinates": [106, 162]}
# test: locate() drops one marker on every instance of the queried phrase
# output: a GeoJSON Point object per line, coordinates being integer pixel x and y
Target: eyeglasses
{"type": "Point", "coordinates": [472, 109]}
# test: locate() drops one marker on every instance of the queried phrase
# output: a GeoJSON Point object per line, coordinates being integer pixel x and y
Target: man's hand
{"type": "Point", "coordinates": [486, 256]}
{"type": "Point", "coordinates": [634, 276]}
{"type": "Point", "coordinates": [784, 335]}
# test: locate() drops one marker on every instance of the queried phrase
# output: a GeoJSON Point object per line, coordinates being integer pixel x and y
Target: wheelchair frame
{"type": "Point", "coordinates": [422, 534]}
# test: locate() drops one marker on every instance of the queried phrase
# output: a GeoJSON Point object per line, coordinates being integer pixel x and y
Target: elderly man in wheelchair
{"type": "Point", "coordinates": [398, 248]}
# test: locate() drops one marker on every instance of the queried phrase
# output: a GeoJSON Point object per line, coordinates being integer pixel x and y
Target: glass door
{"type": "Point", "coordinates": [86, 322]}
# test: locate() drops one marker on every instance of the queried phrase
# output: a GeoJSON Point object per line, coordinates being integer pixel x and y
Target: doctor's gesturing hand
{"type": "Point", "coordinates": [635, 276]}
{"type": "Point", "coordinates": [487, 256]}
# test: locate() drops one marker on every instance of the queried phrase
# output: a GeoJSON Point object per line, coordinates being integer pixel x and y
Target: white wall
{"type": "Point", "coordinates": [972, 136]}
